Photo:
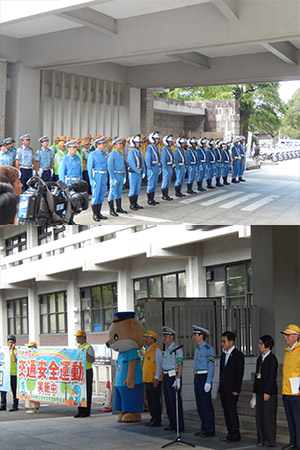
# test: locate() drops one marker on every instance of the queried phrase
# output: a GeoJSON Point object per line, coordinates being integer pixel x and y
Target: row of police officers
{"type": "Point", "coordinates": [72, 160]}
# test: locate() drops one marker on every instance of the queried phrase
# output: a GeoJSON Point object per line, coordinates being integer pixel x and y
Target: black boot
{"type": "Point", "coordinates": [225, 181]}
{"type": "Point", "coordinates": [209, 185]}
{"type": "Point", "coordinates": [112, 211]}
{"type": "Point", "coordinates": [189, 189]}
{"type": "Point", "coordinates": [119, 206]}
{"type": "Point", "coordinates": [136, 203]}
{"type": "Point", "coordinates": [241, 179]}
{"type": "Point", "coordinates": [132, 204]}
{"type": "Point", "coordinates": [154, 201]}
{"type": "Point", "coordinates": [95, 213]}
{"type": "Point", "coordinates": [150, 199]}
{"type": "Point", "coordinates": [164, 194]}
{"type": "Point", "coordinates": [218, 182]}
{"type": "Point", "coordinates": [234, 180]}
{"type": "Point", "coordinates": [200, 188]}
{"type": "Point", "coordinates": [177, 193]}
{"type": "Point", "coordinates": [167, 194]}
{"type": "Point", "coordinates": [99, 212]}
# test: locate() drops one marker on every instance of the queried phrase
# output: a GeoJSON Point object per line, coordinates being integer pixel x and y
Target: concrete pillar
{"type": "Point", "coordinates": [3, 320]}
{"type": "Point", "coordinates": [195, 276]}
{"type": "Point", "coordinates": [73, 310]}
{"type": "Point", "coordinates": [147, 112]}
{"type": "Point", "coordinates": [3, 70]}
{"type": "Point", "coordinates": [134, 111]}
{"type": "Point", "coordinates": [275, 279]}
{"type": "Point", "coordinates": [125, 291]}
{"type": "Point", "coordinates": [23, 103]}
{"type": "Point", "coordinates": [33, 315]}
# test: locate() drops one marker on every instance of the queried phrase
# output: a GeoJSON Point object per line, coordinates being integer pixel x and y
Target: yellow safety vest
{"type": "Point", "coordinates": [149, 367]}
{"type": "Point", "coordinates": [88, 364]}
{"type": "Point", "coordinates": [291, 368]}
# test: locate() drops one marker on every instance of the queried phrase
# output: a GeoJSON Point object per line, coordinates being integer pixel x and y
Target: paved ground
{"type": "Point", "coordinates": [271, 195]}
{"type": "Point", "coordinates": [56, 429]}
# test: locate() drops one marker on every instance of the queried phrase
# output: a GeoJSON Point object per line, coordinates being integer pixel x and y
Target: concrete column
{"type": "Point", "coordinates": [3, 70]}
{"type": "Point", "coordinates": [147, 112]}
{"type": "Point", "coordinates": [125, 291]}
{"type": "Point", "coordinates": [23, 103]}
{"type": "Point", "coordinates": [275, 279]}
{"type": "Point", "coordinates": [33, 315]}
{"type": "Point", "coordinates": [134, 111]}
{"type": "Point", "coordinates": [3, 320]}
{"type": "Point", "coordinates": [73, 310]}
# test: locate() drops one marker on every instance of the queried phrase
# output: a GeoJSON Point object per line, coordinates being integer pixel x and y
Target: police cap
{"type": "Point", "coordinates": [117, 140]}
{"type": "Point", "coordinates": [71, 144]}
{"type": "Point", "coordinates": [9, 140]}
{"type": "Point", "coordinates": [11, 337]}
{"type": "Point", "coordinates": [100, 140]}
{"type": "Point", "coordinates": [43, 139]}
{"type": "Point", "coordinates": [168, 331]}
{"type": "Point", "coordinates": [200, 330]}
{"type": "Point", "coordinates": [25, 137]}
{"type": "Point", "coordinates": [124, 315]}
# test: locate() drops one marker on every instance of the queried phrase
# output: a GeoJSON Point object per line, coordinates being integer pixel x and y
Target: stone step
{"type": "Point", "coordinates": [244, 409]}
{"type": "Point", "coordinates": [247, 425]}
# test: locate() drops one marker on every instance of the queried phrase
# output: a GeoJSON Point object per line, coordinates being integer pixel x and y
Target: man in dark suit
{"type": "Point", "coordinates": [231, 376]}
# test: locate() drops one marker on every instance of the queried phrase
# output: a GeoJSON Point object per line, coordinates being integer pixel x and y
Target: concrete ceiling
{"type": "Point", "coordinates": [163, 43]}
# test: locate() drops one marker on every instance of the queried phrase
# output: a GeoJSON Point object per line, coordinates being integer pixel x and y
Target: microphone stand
{"type": "Point", "coordinates": [178, 439]}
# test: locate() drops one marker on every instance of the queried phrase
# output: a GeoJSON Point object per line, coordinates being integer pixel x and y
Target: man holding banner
{"type": "Point", "coordinates": [90, 358]}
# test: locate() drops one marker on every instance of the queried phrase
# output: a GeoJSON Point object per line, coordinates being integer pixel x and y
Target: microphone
{"type": "Point", "coordinates": [177, 348]}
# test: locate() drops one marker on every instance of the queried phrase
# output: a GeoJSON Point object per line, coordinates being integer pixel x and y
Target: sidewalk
{"type": "Point", "coordinates": [55, 428]}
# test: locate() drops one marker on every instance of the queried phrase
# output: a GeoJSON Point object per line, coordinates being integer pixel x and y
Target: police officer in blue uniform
{"type": "Point", "coordinates": [242, 149]}
{"type": "Point", "coordinates": [236, 160]}
{"type": "Point", "coordinates": [211, 161]}
{"type": "Point", "coordinates": [97, 171]}
{"type": "Point", "coordinates": [136, 171]}
{"type": "Point", "coordinates": [117, 177]}
{"type": "Point", "coordinates": [69, 169]}
{"type": "Point", "coordinates": [180, 163]}
{"type": "Point", "coordinates": [44, 159]}
{"type": "Point", "coordinates": [25, 160]}
{"type": "Point", "coordinates": [191, 162]}
{"type": "Point", "coordinates": [167, 164]}
{"type": "Point", "coordinates": [152, 159]}
{"type": "Point", "coordinates": [172, 371]}
{"type": "Point", "coordinates": [204, 365]}
{"type": "Point", "coordinates": [218, 165]}
{"type": "Point", "coordinates": [6, 158]}
{"type": "Point", "coordinates": [226, 160]}
{"type": "Point", "coordinates": [201, 163]}
{"type": "Point", "coordinates": [11, 149]}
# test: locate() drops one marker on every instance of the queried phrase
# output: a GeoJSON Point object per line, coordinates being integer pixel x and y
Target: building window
{"type": "Point", "coordinates": [98, 303]}
{"type": "Point", "coordinates": [15, 244]}
{"type": "Point", "coordinates": [167, 285]}
{"type": "Point", "coordinates": [49, 234]}
{"type": "Point", "coordinates": [17, 316]}
{"type": "Point", "coordinates": [233, 282]}
{"type": "Point", "coordinates": [53, 313]}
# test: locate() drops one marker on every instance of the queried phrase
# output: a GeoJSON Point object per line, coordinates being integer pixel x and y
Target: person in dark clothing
{"type": "Point", "coordinates": [265, 392]}
{"type": "Point", "coordinates": [231, 376]}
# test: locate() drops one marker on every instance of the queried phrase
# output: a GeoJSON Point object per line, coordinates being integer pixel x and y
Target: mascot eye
{"type": "Point", "coordinates": [116, 337]}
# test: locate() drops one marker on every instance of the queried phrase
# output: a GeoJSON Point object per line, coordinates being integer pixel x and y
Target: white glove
{"type": "Point", "coordinates": [143, 175]}
{"type": "Point", "coordinates": [124, 180]}
{"type": "Point", "coordinates": [207, 387]}
{"type": "Point", "coordinates": [176, 384]}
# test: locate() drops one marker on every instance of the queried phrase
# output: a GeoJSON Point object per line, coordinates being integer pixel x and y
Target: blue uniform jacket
{"type": "Point", "coordinates": [167, 158]}
{"type": "Point", "coordinates": [179, 158]}
{"type": "Point", "coordinates": [25, 156]}
{"type": "Point", "coordinates": [152, 156]}
{"type": "Point", "coordinates": [204, 359]}
{"type": "Point", "coordinates": [69, 168]}
{"type": "Point", "coordinates": [97, 161]}
{"type": "Point", "coordinates": [44, 156]}
{"type": "Point", "coordinates": [201, 155]}
{"type": "Point", "coordinates": [191, 156]}
{"type": "Point", "coordinates": [115, 164]}
{"type": "Point", "coordinates": [135, 161]}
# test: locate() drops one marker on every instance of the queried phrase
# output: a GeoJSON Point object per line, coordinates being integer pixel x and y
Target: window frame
{"type": "Point", "coordinates": [15, 316]}
{"type": "Point", "coordinates": [49, 314]}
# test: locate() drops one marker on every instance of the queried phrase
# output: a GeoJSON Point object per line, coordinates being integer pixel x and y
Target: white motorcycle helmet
{"type": "Point", "coordinates": [134, 140]}
{"type": "Point", "coordinates": [167, 140]}
{"type": "Point", "coordinates": [153, 136]}
{"type": "Point", "coordinates": [181, 141]}
{"type": "Point", "coordinates": [203, 142]}
{"type": "Point", "coordinates": [192, 141]}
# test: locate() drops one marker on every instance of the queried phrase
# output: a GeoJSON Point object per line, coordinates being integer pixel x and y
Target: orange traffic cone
{"type": "Point", "coordinates": [108, 396]}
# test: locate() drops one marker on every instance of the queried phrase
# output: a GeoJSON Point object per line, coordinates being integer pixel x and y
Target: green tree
{"type": "Point", "coordinates": [261, 108]}
{"type": "Point", "coordinates": [291, 119]}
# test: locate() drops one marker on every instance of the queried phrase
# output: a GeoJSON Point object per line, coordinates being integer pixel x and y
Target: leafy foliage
{"type": "Point", "coordinates": [291, 119]}
{"type": "Point", "coordinates": [261, 108]}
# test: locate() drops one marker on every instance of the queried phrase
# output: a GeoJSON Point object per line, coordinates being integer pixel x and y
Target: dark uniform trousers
{"type": "Point", "coordinates": [266, 413]}
{"type": "Point", "coordinates": [153, 396]}
{"type": "Point", "coordinates": [204, 405]}
{"type": "Point", "coordinates": [89, 388]}
{"type": "Point", "coordinates": [13, 384]}
{"type": "Point", "coordinates": [229, 404]}
{"type": "Point", "coordinates": [170, 400]}
{"type": "Point", "coordinates": [291, 405]}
